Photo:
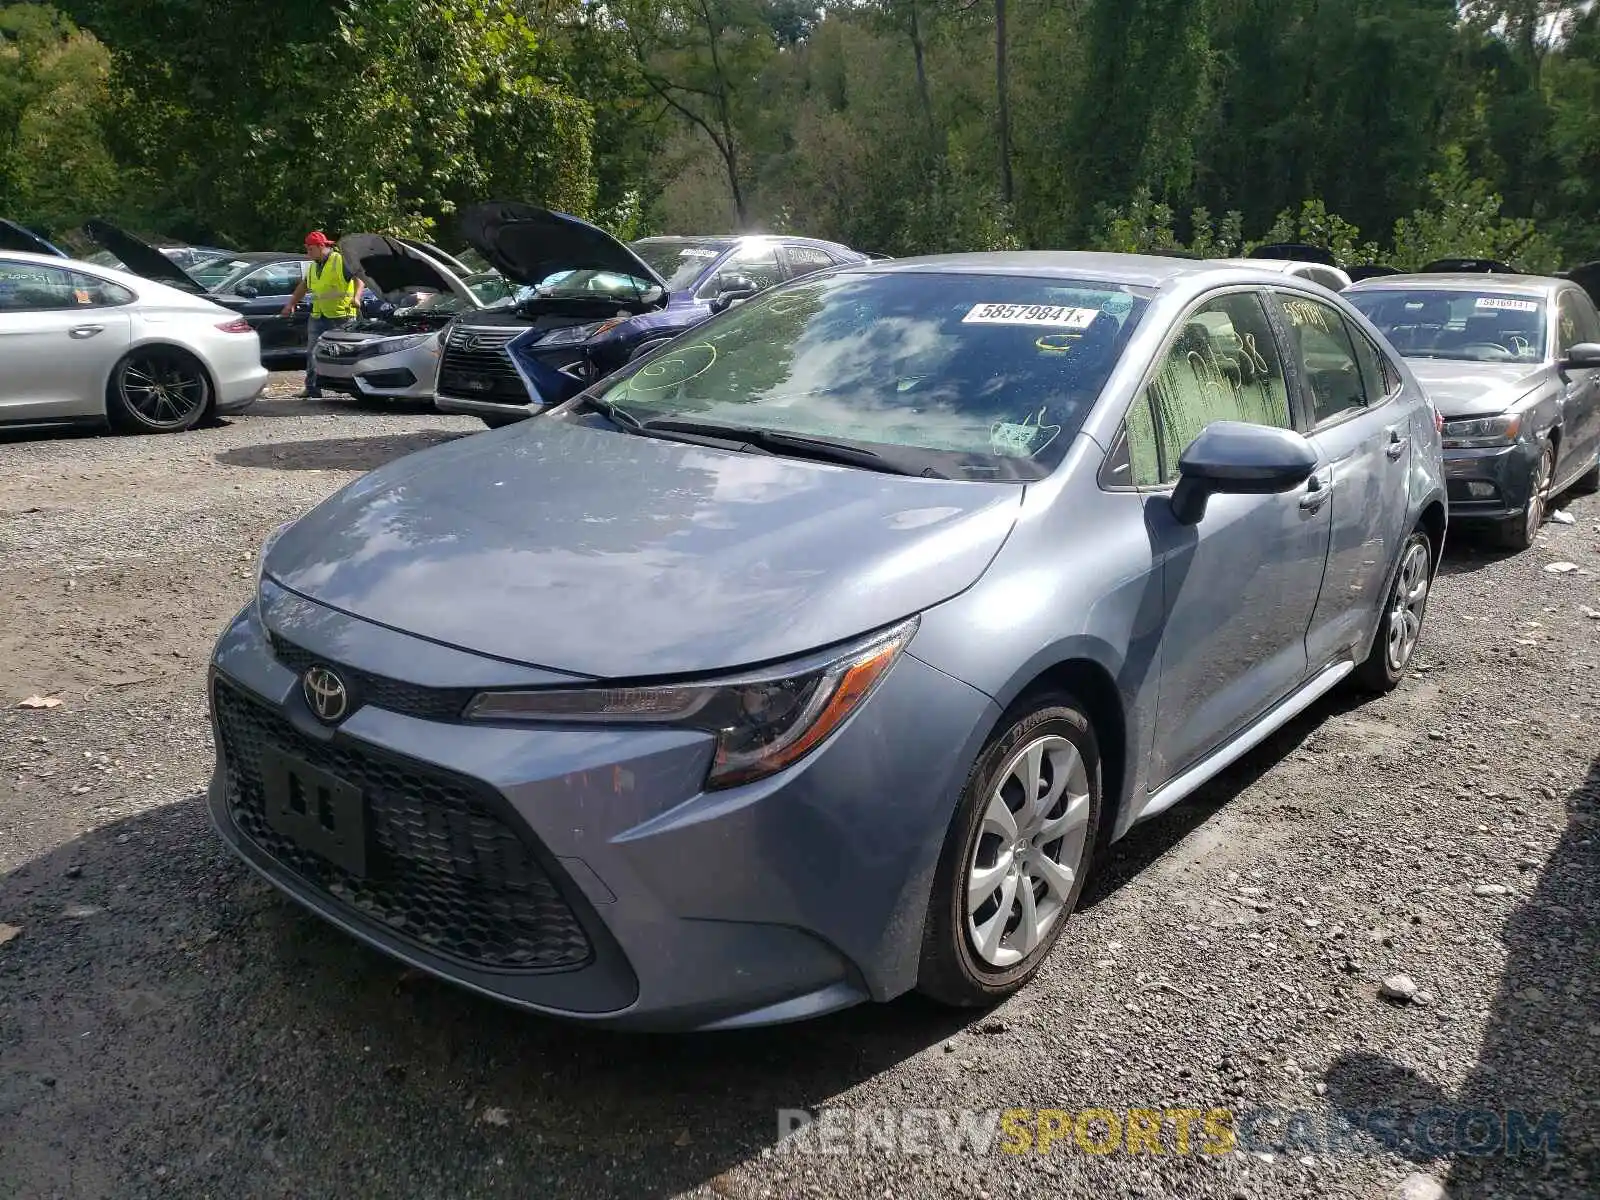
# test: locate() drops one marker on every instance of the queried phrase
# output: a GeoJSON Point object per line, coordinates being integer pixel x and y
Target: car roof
{"type": "Point", "coordinates": [134, 282]}
{"type": "Point", "coordinates": [1541, 285]}
{"type": "Point", "coordinates": [1277, 264]}
{"type": "Point", "coordinates": [728, 241]}
{"type": "Point", "coordinates": [1137, 270]}
{"type": "Point", "coordinates": [258, 256]}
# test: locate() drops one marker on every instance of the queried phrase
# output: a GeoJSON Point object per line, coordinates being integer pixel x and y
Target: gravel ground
{"type": "Point", "coordinates": [171, 1027]}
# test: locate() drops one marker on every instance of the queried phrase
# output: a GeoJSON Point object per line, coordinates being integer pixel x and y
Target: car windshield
{"type": "Point", "coordinates": [679, 261]}
{"type": "Point", "coordinates": [490, 288]}
{"type": "Point", "coordinates": [605, 285]}
{"type": "Point", "coordinates": [1473, 326]}
{"type": "Point", "coordinates": [980, 376]}
{"type": "Point", "coordinates": [215, 271]}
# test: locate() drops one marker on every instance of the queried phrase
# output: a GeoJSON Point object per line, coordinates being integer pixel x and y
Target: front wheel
{"type": "Point", "coordinates": [1401, 626]}
{"type": "Point", "coordinates": [157, 390]}
{"type": "Point", "coordinates": [1518, 533]}
{"type": "Point", "coordinates": [1016, 856]}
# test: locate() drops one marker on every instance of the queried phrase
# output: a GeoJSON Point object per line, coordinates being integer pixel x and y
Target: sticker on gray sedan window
{"type": "Point", "coordinates": [1051, 315]}
{"type": "Point", "coordinates": [1508, 305]}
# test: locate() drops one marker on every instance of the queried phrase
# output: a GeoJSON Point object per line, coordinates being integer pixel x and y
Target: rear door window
{"type": "Point", "coordinates": [1326, 352]}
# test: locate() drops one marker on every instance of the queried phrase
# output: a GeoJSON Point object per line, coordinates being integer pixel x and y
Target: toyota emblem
{"type": "Point", "coordinates": [325, 693]}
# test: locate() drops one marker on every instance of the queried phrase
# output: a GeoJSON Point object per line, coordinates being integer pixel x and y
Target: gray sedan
{"type": "Point", "coordinates": [1512, 362]}
{"type": "Point", "coordinates": [813, 658]}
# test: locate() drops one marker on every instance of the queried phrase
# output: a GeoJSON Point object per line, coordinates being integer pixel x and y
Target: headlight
{"type": "Point", "coordinates": [579, 333]}
{"type": "Point", "coordinates": [572, 333]}
{"type": "Point", "coordinates": [395, 345]}
{"type": "Point", "coordinates": [763, 722]}
{"type": "Point", "coordinates": [1482, 431]}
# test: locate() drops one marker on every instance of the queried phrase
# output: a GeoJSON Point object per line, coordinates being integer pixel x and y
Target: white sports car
{"type": "Point", "coordinates": [85, 344]}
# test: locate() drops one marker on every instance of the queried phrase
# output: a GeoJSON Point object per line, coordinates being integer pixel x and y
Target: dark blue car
{"type": "Point", "coordinates": [589, 304]}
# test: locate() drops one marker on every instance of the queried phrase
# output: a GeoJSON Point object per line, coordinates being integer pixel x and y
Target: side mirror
{"type": "Point", "coordinates": [248, 290]}
{"type": "Point", "coordinates": [731, 289]}
{"type": "Point", "coordinates": [1583, 355]}
{"type": "Point", "coordinates": [1237, 458]}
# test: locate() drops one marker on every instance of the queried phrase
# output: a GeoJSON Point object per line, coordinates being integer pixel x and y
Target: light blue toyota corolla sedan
{"type": "Point", "coordinates": [812, 658]}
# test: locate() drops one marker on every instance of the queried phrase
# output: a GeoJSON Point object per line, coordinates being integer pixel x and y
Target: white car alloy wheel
{"type": "Point", "coordinates": [1029, 851]}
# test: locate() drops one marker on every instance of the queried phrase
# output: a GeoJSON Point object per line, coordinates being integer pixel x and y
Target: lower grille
{"type": "Point", "coordinates": [446, 871]}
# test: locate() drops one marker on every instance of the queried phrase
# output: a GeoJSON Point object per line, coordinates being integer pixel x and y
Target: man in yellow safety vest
{"type": "Point", "coordinates": [335, 299]}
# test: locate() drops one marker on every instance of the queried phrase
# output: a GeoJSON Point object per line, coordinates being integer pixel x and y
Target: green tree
{"type": "Point", "coordinates": [55, 169]}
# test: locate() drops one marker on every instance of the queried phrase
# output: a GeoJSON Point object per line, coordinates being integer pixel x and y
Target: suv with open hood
{"type": "Point", "coordinates": [395, 356]}
{"type": "Point", "coordinates": [590, 304]}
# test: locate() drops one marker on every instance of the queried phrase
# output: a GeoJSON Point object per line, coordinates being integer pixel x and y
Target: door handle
{"type": "Point", "coordinates": [1397, 445]}
{"type": "Point", "coordinates": [1317, 492]}
{"type": "Point", "coordinates": [84, 331]}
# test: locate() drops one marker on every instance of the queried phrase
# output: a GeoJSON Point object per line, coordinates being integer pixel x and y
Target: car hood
{"type": "Point", "coordinates": [528, 244]}
{"type": "Point", "coordinates": [605, 554]}
{"type": "Point", "coordinates": [394, 265]}
{"type": "Point", "coordinates": [1469, 389]}
{"type": "Point", "coordinates": [141, 258]}
{"type": "Point", "coordinates": [20, 238]}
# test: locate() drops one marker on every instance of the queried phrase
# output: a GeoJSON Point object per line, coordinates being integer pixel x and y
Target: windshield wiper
{"type": "Point", "coordinates": [619, 417]}
{"type": "Point", "coordinates": [800, 445]}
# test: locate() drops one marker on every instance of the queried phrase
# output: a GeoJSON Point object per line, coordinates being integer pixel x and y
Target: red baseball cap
{"type": "Point", "coordinates": [317, 238]}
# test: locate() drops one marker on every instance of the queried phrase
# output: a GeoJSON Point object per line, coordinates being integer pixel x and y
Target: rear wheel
{"type": "Point", "coordinates": [1401, 625]}
{"type": "Point", "coordinates": [1518, 532]}
{"type": "Point", "coordinates": [1017, 854]}
{"type": "Point", "coordinates": [157, 389]}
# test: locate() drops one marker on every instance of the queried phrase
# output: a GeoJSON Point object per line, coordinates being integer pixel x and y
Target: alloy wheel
{"type": "Point", "coordinates": [165, 392]}
{"type": "Point", "coordinates": [1029, 850]}
{"type": "Point", "coordinates": [1406, 605]}
{"type": "Point", "coordinates": [1539, 498]}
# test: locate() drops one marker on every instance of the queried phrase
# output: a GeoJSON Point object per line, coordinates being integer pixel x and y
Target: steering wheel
{"type": "Point", "coordinates": [1497, 352]}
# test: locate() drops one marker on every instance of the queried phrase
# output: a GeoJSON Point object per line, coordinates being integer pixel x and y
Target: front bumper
{"type": "Point", "coordinates": [643, 901]}
{"type": "Point", "coordinates": [1490, 484]}
{"type": "Point", "coordinates": [485, 408]}
{"type": "Point", "coordinates": [406, 375]}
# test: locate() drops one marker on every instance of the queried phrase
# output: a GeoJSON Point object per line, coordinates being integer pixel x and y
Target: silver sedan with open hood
{"type": "Point", "coordinates": [396, 356]}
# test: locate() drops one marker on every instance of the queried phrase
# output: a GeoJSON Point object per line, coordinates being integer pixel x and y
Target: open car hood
{"type": "Point", "coordinates": [17, 237]}
{"type": "Point", "coordinates": [528, 244]}
{"type": "Point", "coordinates": [394, 264]}
{"type": "Point", "coordinates": [141, 257]}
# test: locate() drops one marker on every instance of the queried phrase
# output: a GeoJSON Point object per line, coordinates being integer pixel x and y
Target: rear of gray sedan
{"type": "Point", "coordinates": [811, 659]}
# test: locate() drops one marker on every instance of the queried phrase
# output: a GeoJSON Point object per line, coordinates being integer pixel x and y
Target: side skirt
{"type": "Point", "coordinates": [1265, 726]}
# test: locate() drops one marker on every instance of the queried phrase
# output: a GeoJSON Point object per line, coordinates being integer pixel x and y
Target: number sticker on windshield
{"type": "Point", "coordinates": [1050, 315]}
{"type": "Point", "coordinates": [1508, 305]}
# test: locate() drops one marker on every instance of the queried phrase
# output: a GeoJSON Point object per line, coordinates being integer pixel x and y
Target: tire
{"type": "Point", "coordinates": [157, 389]}
{"type": "Point", "coordinates": [1400, 626]}
{"type": "Point", "coordinates": [1518, 533]}
{"type": "Point", "coordinates": [971, 955]}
